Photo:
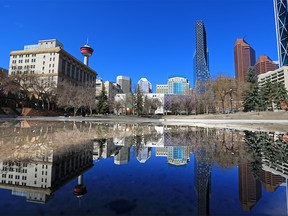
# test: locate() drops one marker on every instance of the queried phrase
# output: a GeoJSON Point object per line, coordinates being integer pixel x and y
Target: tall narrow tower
{"type": "Point", "coordinates": [244, 57]}
{"type": "Point", "coordinates": [86, 51]}
{"type": "Point", "coordinates": [281, 21]}
{"type": "Point", "coordinates": [201, 59]}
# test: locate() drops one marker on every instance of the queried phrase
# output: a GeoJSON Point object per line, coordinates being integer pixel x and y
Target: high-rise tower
{"type": "Point", "coordinates": [86, 51]}
{"type": "Point", "coordinates": [201, 59]}
{"type": "Point", "coordinates": [264, 64]}
{"type": "Point", "coordinates": [145, 85]}
{"type": "Point", "coordinates": [125, 83]}
{"type": "Point", "coordinates": [281, 21]}
{"type": "Point", "coordinates": [244, 57]}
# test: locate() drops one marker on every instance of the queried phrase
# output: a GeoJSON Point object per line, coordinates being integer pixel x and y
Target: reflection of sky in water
{"type": "Point", "coordinates": [151, 188]}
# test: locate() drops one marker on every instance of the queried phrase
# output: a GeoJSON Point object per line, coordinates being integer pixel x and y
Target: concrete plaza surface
{"type": "Point", "coordinates": [260, 121]}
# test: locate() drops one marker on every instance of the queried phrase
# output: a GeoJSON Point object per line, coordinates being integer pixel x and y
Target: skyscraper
{"type": "Point", "coordinates": [125, 83]}
{"type": "Point", "coordinates": [244, 57]}
{"type": "Point", "coordinates": [145, 85]}
{"type": "Point", "coordinates": [178, 85]}
{"type": "Point", "coordinates": [264, 64]}
{"type": "Point", "coordinates": [281, 21]}
{"type": "Point", "coordinates": [201, 59]}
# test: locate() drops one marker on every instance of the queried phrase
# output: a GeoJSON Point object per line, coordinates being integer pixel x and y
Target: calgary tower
{"type": "Point", "coordinates": [86, 51]}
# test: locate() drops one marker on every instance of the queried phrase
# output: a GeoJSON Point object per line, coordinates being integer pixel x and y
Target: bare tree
{"type": "Point", "coordinates": [221, 88]}
{"type": "Point", "coordinates": [188, 103]}
{"type": "Point", "coordinates": [151, 105]}
{"type": "Point", "coordinates": [175, 105]}
{"type": "Point", "coordinates": [90, 98]}
{"type": "Point", "coordinates": [118, 105]}
{"type": "Point", "coordinates": [204, 97]}
{"type": "Point", "coordinates": [70, 96]}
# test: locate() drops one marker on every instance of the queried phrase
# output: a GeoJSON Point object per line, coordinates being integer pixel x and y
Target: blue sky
{"type": "Point", "coordinates": [141, 38]}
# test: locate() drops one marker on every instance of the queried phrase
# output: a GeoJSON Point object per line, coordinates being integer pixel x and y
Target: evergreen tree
{"type": "Point", "coordinates": [139, 101]}
{"type": "Point", "coordinates": [274, 93]}
{"type": "Point", "coordinates": [281, 94]}
{"type": "Point", "coordinates": [252, 99]}
{"type": "Point", "coordinates": [102, 107]}
{"type": "Point", "coordinates": [251, 76]}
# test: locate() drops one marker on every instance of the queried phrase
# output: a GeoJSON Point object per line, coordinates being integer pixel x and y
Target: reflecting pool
{"type": "Point", "coordinates": [90, 168]}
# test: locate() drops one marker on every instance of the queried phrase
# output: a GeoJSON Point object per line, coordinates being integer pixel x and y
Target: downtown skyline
{"type": "Point", "coordinates": [151, 39]}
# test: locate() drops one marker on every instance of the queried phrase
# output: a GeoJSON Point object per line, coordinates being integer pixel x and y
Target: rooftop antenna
{"type": "Point", "coordinates": [87, 40]}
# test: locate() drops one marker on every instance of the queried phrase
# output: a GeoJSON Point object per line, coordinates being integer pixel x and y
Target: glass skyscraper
{"type": "Point", "coordinates": [178, 85]}
{"type": "Point", "coordinates": [145, 85]}
{"type": "Point", "coordinates": [281, 20]}
{"type": "Point", "coordinates": [201, 59]}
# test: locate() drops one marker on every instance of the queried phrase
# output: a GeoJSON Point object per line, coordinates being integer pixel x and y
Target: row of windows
{"type": "Point", "coordinates": [21, 61]}
{"type": "Point", "coordinates": [20, 72]}
{"type": "Point", "coordinates": [11, 169]}
{"type": "Point", "coordinates": [21, 67]}
{"type": "Point", "coordinates": [10, 176]}
{"type": "Point", "coordinates": [21, 56]}
{"type": "Point", "coordinates": [14, 163]}
{"type": "Point", "coordinates": [33, 55]}
{"type": "Point", "coordinates": [11, 182]}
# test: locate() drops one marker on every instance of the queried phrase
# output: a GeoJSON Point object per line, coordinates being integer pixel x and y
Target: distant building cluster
{"type": "Point", "coordinates": [265, 68]}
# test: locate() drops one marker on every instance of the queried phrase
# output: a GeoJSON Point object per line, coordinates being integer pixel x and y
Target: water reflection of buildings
{"type": "Point", "coordinates": [144, 154]}
{"type": "Point", "coordinates": [202, 180]}
{"type": "Point", "coordinates": [34, 166]}
{"type": "Point", "coordinates": [272, 165]}
{"type": "Point", "coordinates": [37, 178]}
{"type": "Point", "coordinates": [249, 187]}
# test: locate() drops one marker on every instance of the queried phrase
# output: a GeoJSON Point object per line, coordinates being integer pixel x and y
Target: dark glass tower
{"type": "Point", "coordinates": [201, 59]}
{"type": "Point", "coordinates": [281, 20]}
{"type": "Point", "coordinates": [202, 180]}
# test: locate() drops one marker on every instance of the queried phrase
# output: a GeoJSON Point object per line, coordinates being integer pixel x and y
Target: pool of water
{"type": "Point", "coordinates": [88, 168]}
